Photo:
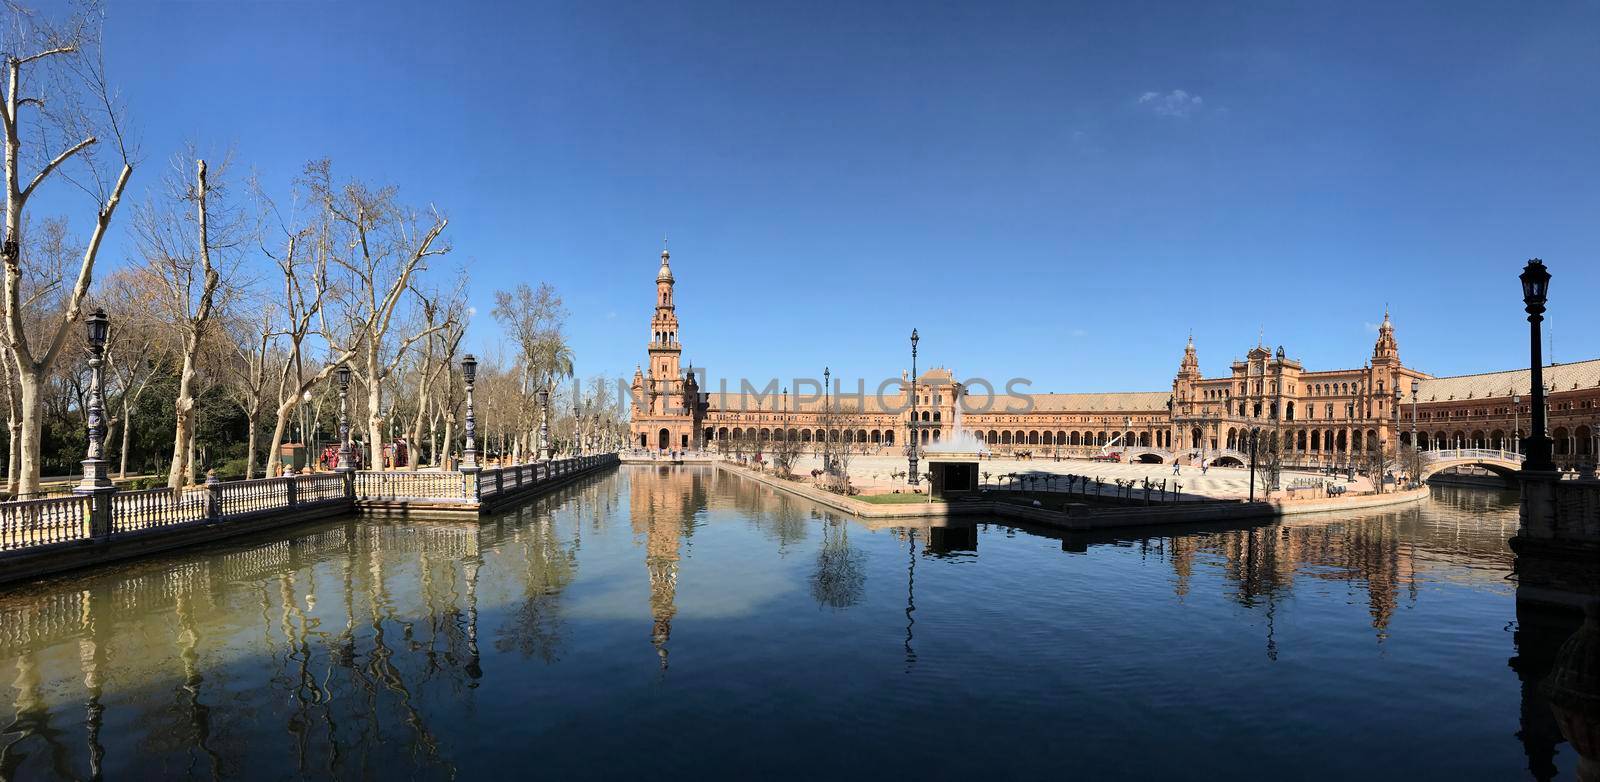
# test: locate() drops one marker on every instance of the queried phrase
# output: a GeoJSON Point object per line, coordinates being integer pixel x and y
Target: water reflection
{"type": "Point", "coordinates": [353, 648]}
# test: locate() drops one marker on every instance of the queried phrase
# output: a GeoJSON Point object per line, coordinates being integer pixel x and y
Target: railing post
{"type": "Point", "coordinates": [293, 490]}
{"type": "Point", "coordinates": [213, 495]}
{"type": "Point", "coordinates": [100, 513]}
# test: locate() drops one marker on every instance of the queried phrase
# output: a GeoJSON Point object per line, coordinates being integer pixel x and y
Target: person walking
{"type": "Point", "coordinates": [1174, 468]}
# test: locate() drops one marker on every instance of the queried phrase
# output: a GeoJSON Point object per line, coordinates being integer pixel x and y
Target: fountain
{"type": "Point", "coordinates": [953, 462]}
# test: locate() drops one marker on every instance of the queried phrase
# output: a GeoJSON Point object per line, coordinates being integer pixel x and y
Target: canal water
{"type": "Point", "coordinates": [673, 622]}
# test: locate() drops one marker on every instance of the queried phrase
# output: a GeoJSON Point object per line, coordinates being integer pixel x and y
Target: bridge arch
{"type": "Point", "coordinates": [1502, 463]}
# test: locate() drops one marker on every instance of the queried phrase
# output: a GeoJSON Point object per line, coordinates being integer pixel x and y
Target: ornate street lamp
{"type": "Point", "coordinates": [1516, 424]}
{"type": "Point", "coordinates": [827, 420]}
{"type": "Point", "coordinates": [1397, 402]}
{"type": "Point", "coordinates": [544, 424]}
{"type": "Point", "coordinates": [1415, 387]}
{"type": "Point", "coordinates": [346, 460]}
{"type": "Point", "coordinates": [95, 478]}
{"type": "Point", "coordinates": [1254, 434]}
{"type": "Point", "coordinates": [911, 458]}
{"type": "Point", "coordinates": [469, 373]}
{"type": "Point", "coordinates": [1535, 291]}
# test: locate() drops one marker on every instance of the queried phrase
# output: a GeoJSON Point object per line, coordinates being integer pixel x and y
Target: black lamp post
{"type": "Point", "coordinates": [346, 462]}
{"type": "Point", "coordinates": [469, 373]}
{"type": "Point", "coordinates": [911, 458]}
{"type": "Point", "coordinates": [544, 424]}
{"type": "Point", "coordinates": [95, 477]}
{"type": "Point", "coordinates": [1535, 291]}
{"type": "Point", "coordinates": [1397, 402]}
{"type": "Point", "coordinates": [1516, 424]}
{"type": "Point", "coordinates": [1415, 387]}
{"type": "Point", "coordinates": [1254, 434]}
{"type": "Point", "coordinates": [827, 420]}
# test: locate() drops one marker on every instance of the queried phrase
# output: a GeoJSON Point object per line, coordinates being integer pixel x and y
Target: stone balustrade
{"type": "Point", "coordinates": [31, 527]}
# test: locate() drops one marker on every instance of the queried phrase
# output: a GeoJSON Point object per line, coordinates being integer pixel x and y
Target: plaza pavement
{"type": "Point", "coordinates": [871, 474]}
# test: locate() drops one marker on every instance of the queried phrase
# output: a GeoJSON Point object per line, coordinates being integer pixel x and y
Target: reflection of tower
{"type": "Point", "coordinates": [658, 512]}
{"type": "Point", "coordinates": [661, 559]}
{"type": "Point", "coordinates": [1182, 550]}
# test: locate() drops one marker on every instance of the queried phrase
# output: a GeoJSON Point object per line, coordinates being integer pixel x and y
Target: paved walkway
{"type": "Point", "coordinates": [871, 474]}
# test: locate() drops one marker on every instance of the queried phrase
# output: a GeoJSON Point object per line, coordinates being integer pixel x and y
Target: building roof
{"type": "Point", "coordinates": [1115, 402]}
{"type": "Point", "coordinates": [1489, 385]}
{"type": "Point", "coordinates": [774, 403]}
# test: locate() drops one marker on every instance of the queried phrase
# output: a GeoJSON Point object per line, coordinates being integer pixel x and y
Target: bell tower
{"type": "Point", "coordinates": [666, 404]}
{"type": "Point", "coordinates": [1386, 350]}
{"type": "Point", "coordinates": [664, 348]}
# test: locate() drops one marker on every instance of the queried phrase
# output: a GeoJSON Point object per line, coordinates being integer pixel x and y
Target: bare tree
{"type": "Point", "coordinates": [188, 255]}
{"type": "Point", "coordinates": [387, 245]}
{"type": "Point", "coordinates": [306, 289]}
{"type": "Point", "coordinates": [252, 340]}
{"type": "Point", "coordinates": [534, 318]}
{"type": "Point", "coordinates": [439, 312]}
{"type": "Point", "coordinates": [135, 350]}
{"type": "Point", "coordinates": [57, 73]}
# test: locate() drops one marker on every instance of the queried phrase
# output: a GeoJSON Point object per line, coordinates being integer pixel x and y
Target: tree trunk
{"type": "Point", "coordinates": [122, 467]}
{"type": "Point", "coordinates": [277, 442]}
{"type": "Point", "coordinates": [448, 447]}
{"type": "Point", "coordinates": [193, 464]}
{"type": "Point", "coordinates": [250, 447]}
{"type": "Point", "coordinates": [183, 431]}
{"type": "Point", "coordinates": [375, 407]}
{"type": "Point", "coordinates": [29, 383]}
{"type": "Point", "coordinates": [14, 427]}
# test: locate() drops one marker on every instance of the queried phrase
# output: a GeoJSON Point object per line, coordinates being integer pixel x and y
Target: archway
{"type": "Point", "coordinates": [665, 438]}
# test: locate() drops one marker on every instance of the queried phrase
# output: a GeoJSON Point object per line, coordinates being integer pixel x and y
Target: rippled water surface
{"type": "Point", "coordinates": [675, 622]}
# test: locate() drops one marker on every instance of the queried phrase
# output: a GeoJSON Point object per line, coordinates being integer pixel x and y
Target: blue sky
{"type": "Point", "coordinates": [1060, 191]}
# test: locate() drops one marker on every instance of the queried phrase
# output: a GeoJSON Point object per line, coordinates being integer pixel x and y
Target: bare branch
{"type": "Point", "coordinates": [51, 166]}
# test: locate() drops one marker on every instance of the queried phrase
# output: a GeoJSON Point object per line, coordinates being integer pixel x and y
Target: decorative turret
{"type": "Point", "coordinates": [665, 274]}
{"type": "Point", "coordinates": [1386, 348]}
{"type": "Point", "coordinates": [1191, 363]}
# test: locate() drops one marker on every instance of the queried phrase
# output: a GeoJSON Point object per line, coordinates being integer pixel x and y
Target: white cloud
{"type": "Point", "coordinates": [1079, 333]}
{"type": "Point", "coordinates": [1178, 103]}
{"type": "Point", "coordinates": [1372, 327]}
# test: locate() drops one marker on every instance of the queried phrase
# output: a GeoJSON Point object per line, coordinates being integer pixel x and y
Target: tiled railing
{"type": "Point", "coordinates": [29, 524]}
{"type": "Point", "coordinates": [42, 522]}
{"type": "Point", "coordinates": [379, 485]}
{"type": "Point", "coordinates": [136, 510]}
{"type": "Point", "coordinates": [237, 498]}
{"type": "Point", "coordinates": [319, 488]}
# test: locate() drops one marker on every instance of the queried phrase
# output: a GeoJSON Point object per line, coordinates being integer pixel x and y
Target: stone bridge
{"type": "Point", "coordinates": [1146, 455]}
{"type": "Point", "coordinates": [1213, 455]}
{"type": "Point", "coordinates": [1502, 463]}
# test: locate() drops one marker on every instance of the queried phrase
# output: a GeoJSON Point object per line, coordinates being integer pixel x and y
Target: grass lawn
{"type": "Point", "coordinates": [896, 499]}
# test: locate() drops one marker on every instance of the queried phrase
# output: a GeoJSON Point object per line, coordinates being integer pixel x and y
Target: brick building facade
{"type": "Point", "coordinates": [1321, 417]}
